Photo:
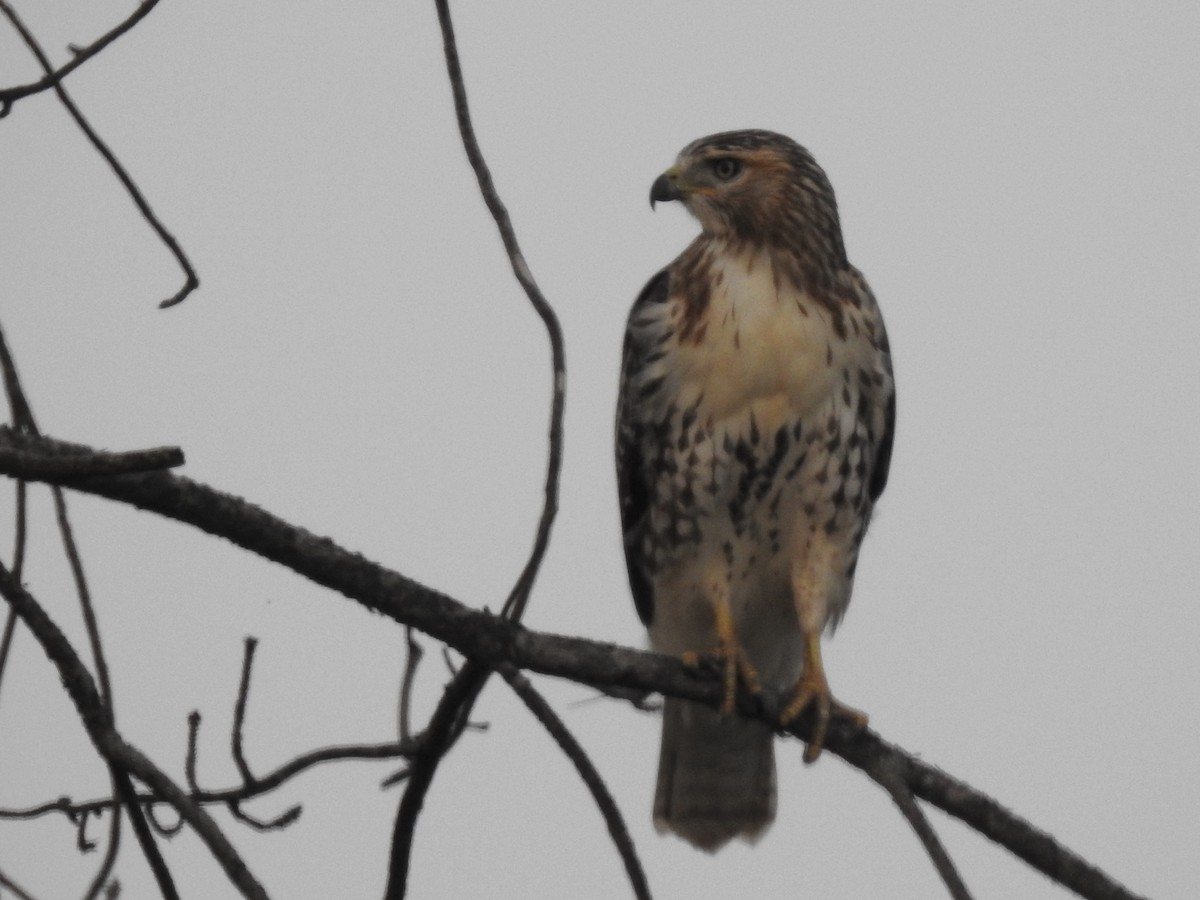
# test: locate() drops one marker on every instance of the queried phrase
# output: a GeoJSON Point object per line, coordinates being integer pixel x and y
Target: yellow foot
{"type": "Point", "coordinates": [732, 663]}
{"type": "Point", "coordinates": [812, 690]}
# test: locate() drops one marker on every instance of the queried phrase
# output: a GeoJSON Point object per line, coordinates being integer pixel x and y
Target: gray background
{"type": "Point", "coordinates": [1019, 185]}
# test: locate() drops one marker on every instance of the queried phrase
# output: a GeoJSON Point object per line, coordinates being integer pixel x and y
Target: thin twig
{"type": "Point", "coordinates": [141, 829]}
{"type": "Point", "coordinates": [189, 761]}
{"type": "Point", "coordinates": [239, 712]}
{"type": "Point", "coordinates": [85, 597]}
{"type": "Point", "coordinates": [18, 405]}
{"type": "Point", "coordinates": [79, 55]}
{"type": "Point", "coordinates": [18, 892]}
{"type": "Point", "coordinates": [492, 640]}
{"type": "Point", "coordinates": [270, 782]}
{"type": "Point", "coordinates": [288, 816]}
{"type": "Point", "coordinates": [887, 777]}
{"type": "Point", "coordinates": [470, 680]}
{"type": "Point", "coordinates": [167, 831]}
{"type": "Point", "coordinates": [120, 780]}
{"type": "Point", "coordinates": [514, 606]}
{"type": "Point", "coordinates": [83, 843]}
{"type": "Point", "coordinates": [642, 701]}
{"type": "Point", "coordinates": [411, 662]}
{"type": "Point", "coordinates": [191, 281]}
{"type": "Point", "coordinates": [97, 720]}
{"type": "Point", "coordinates": [444, 726]}
{"type": "Point", "coordinates": [591, 777]}
{"type": "Point", "coordinates": [18, 563]}
{"type": "Point", "coordinates": [22, 420]}
{"type": "Point", "coordinates": [111, 850]}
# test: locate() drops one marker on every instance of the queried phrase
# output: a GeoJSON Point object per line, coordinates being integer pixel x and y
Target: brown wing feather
{"type": "Point", "coordinates": [634, 480]}
{"type": "Point", "coordinates": [883, 455]}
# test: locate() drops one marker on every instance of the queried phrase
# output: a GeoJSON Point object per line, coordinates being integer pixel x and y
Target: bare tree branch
{"type": "Point", "coordinates": [412, 660]}
{"type": "Point", "coordinates": [18, 404]}
{"type": "Point", "coordinates": [890, 781]}
{"type": "Point", "coordinates": [289, 815]}
{"type": "Point", "coordinates": [239, 713]}
{"type": "Point", "coordinates": [167, 831]}
{"type": "Point", "coordinates": [10, 620]}
{"type": "Point", "coordinates": [79, 55]}
{"type": "Point", "coordinates": [444, 726]}
{"type": "Point", "coordinates": [456, 703]}
{"type": "Point", "coordinates": [591, 777]}
{"type": "Point", "coordinates": [514, 606]}
{"type": "Point", "coordinates": [191, 281]}
{"type": "Point", "coordinates": [491, 640]}
{"type": "Point", "coordinates": [97, 720]}
{"type": "Point", "coordinates": [270, 782]}
{"type": "Point", "coordinates": [112, 847]}
{"type": "Point", "coordinates": [64, 468]}
{"type": "Point", "coordinates": [85, 598]}
{"type": "Point", "coordinates": [123, 788]}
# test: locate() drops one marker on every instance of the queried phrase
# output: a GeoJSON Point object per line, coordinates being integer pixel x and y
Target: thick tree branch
{"type": "Point", "coordinates": [491, 641]}
{"type": "Point", "coordinates": [63, 469]}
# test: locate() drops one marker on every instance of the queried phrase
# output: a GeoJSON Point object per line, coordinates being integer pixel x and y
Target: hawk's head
{"type": "Point", "coordinates": [760, 187]}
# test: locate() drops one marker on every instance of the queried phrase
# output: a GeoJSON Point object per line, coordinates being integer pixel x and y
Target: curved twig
{"type": "Point", "coordinates": [239, 712]}
{"type": "Point", "coordinates": [191, 281]}
{"type": "Point", "coordinates": [275, 779]}
{"type": "Point", "coordinates": [412, 660]}
{"type": "Point", "coordinates": [591, 777]}
{"type": "Point", "coordinates": [113, 847]}
{"type": "Point", "coordinates": [120, 755]}
{"type": "Point", "coordinates": [514, 606]}
{"type": "Point", "coordinates": [79, 55]}
{"type": "Point", "coordinates": [167, 831]}
{"type": "Point", "coordinates": [288, 816]}
{"type": "Point", "coordinates": [454, 708]}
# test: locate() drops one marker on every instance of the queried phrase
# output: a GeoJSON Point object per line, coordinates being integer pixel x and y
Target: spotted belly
{"type": "Point", "coordinates": [737, 504]}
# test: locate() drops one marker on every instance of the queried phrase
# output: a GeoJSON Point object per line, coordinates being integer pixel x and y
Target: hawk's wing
{"type": "Point", "coordinates": [883, 456]}
{"type": "Point", "coordinates": [635, 477]}
{"type": "Point", "coordinates": [883, 441]}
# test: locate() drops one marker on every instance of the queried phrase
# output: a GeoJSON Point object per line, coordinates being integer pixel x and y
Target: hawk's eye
{"type": "Point", "coordinates": [726, 168]}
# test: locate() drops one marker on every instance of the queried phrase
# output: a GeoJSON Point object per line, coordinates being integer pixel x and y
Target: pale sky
{"type": "Point", "coordinates": [1020, 185]}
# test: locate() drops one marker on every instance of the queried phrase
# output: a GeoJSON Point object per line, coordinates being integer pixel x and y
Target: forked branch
{"type": "Point", "coordinates": [491, 641]}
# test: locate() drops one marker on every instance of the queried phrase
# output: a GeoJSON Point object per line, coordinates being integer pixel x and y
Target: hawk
{"type": "Point", "coordinates": [754, 434]}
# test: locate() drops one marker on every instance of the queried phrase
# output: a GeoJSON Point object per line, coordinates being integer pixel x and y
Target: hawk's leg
{"type": "Point", "coordinates": [728, 654]}
{"type": "Point", "coordinates": [813, 690]}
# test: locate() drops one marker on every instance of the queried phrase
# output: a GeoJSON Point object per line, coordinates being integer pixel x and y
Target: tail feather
{"type": "Point", "coordinates": [716, 776]}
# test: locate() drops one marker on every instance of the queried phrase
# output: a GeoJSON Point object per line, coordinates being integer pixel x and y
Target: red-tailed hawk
{"type": "Point", "coordinates": [754, 432]}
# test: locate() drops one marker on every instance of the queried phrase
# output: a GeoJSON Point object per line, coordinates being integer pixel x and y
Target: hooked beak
{"type": "Point", "coordinates": [665, 188]}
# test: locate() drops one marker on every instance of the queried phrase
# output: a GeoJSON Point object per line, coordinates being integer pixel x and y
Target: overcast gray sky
{"type": "Point", "coordinates": [1019, 183]}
